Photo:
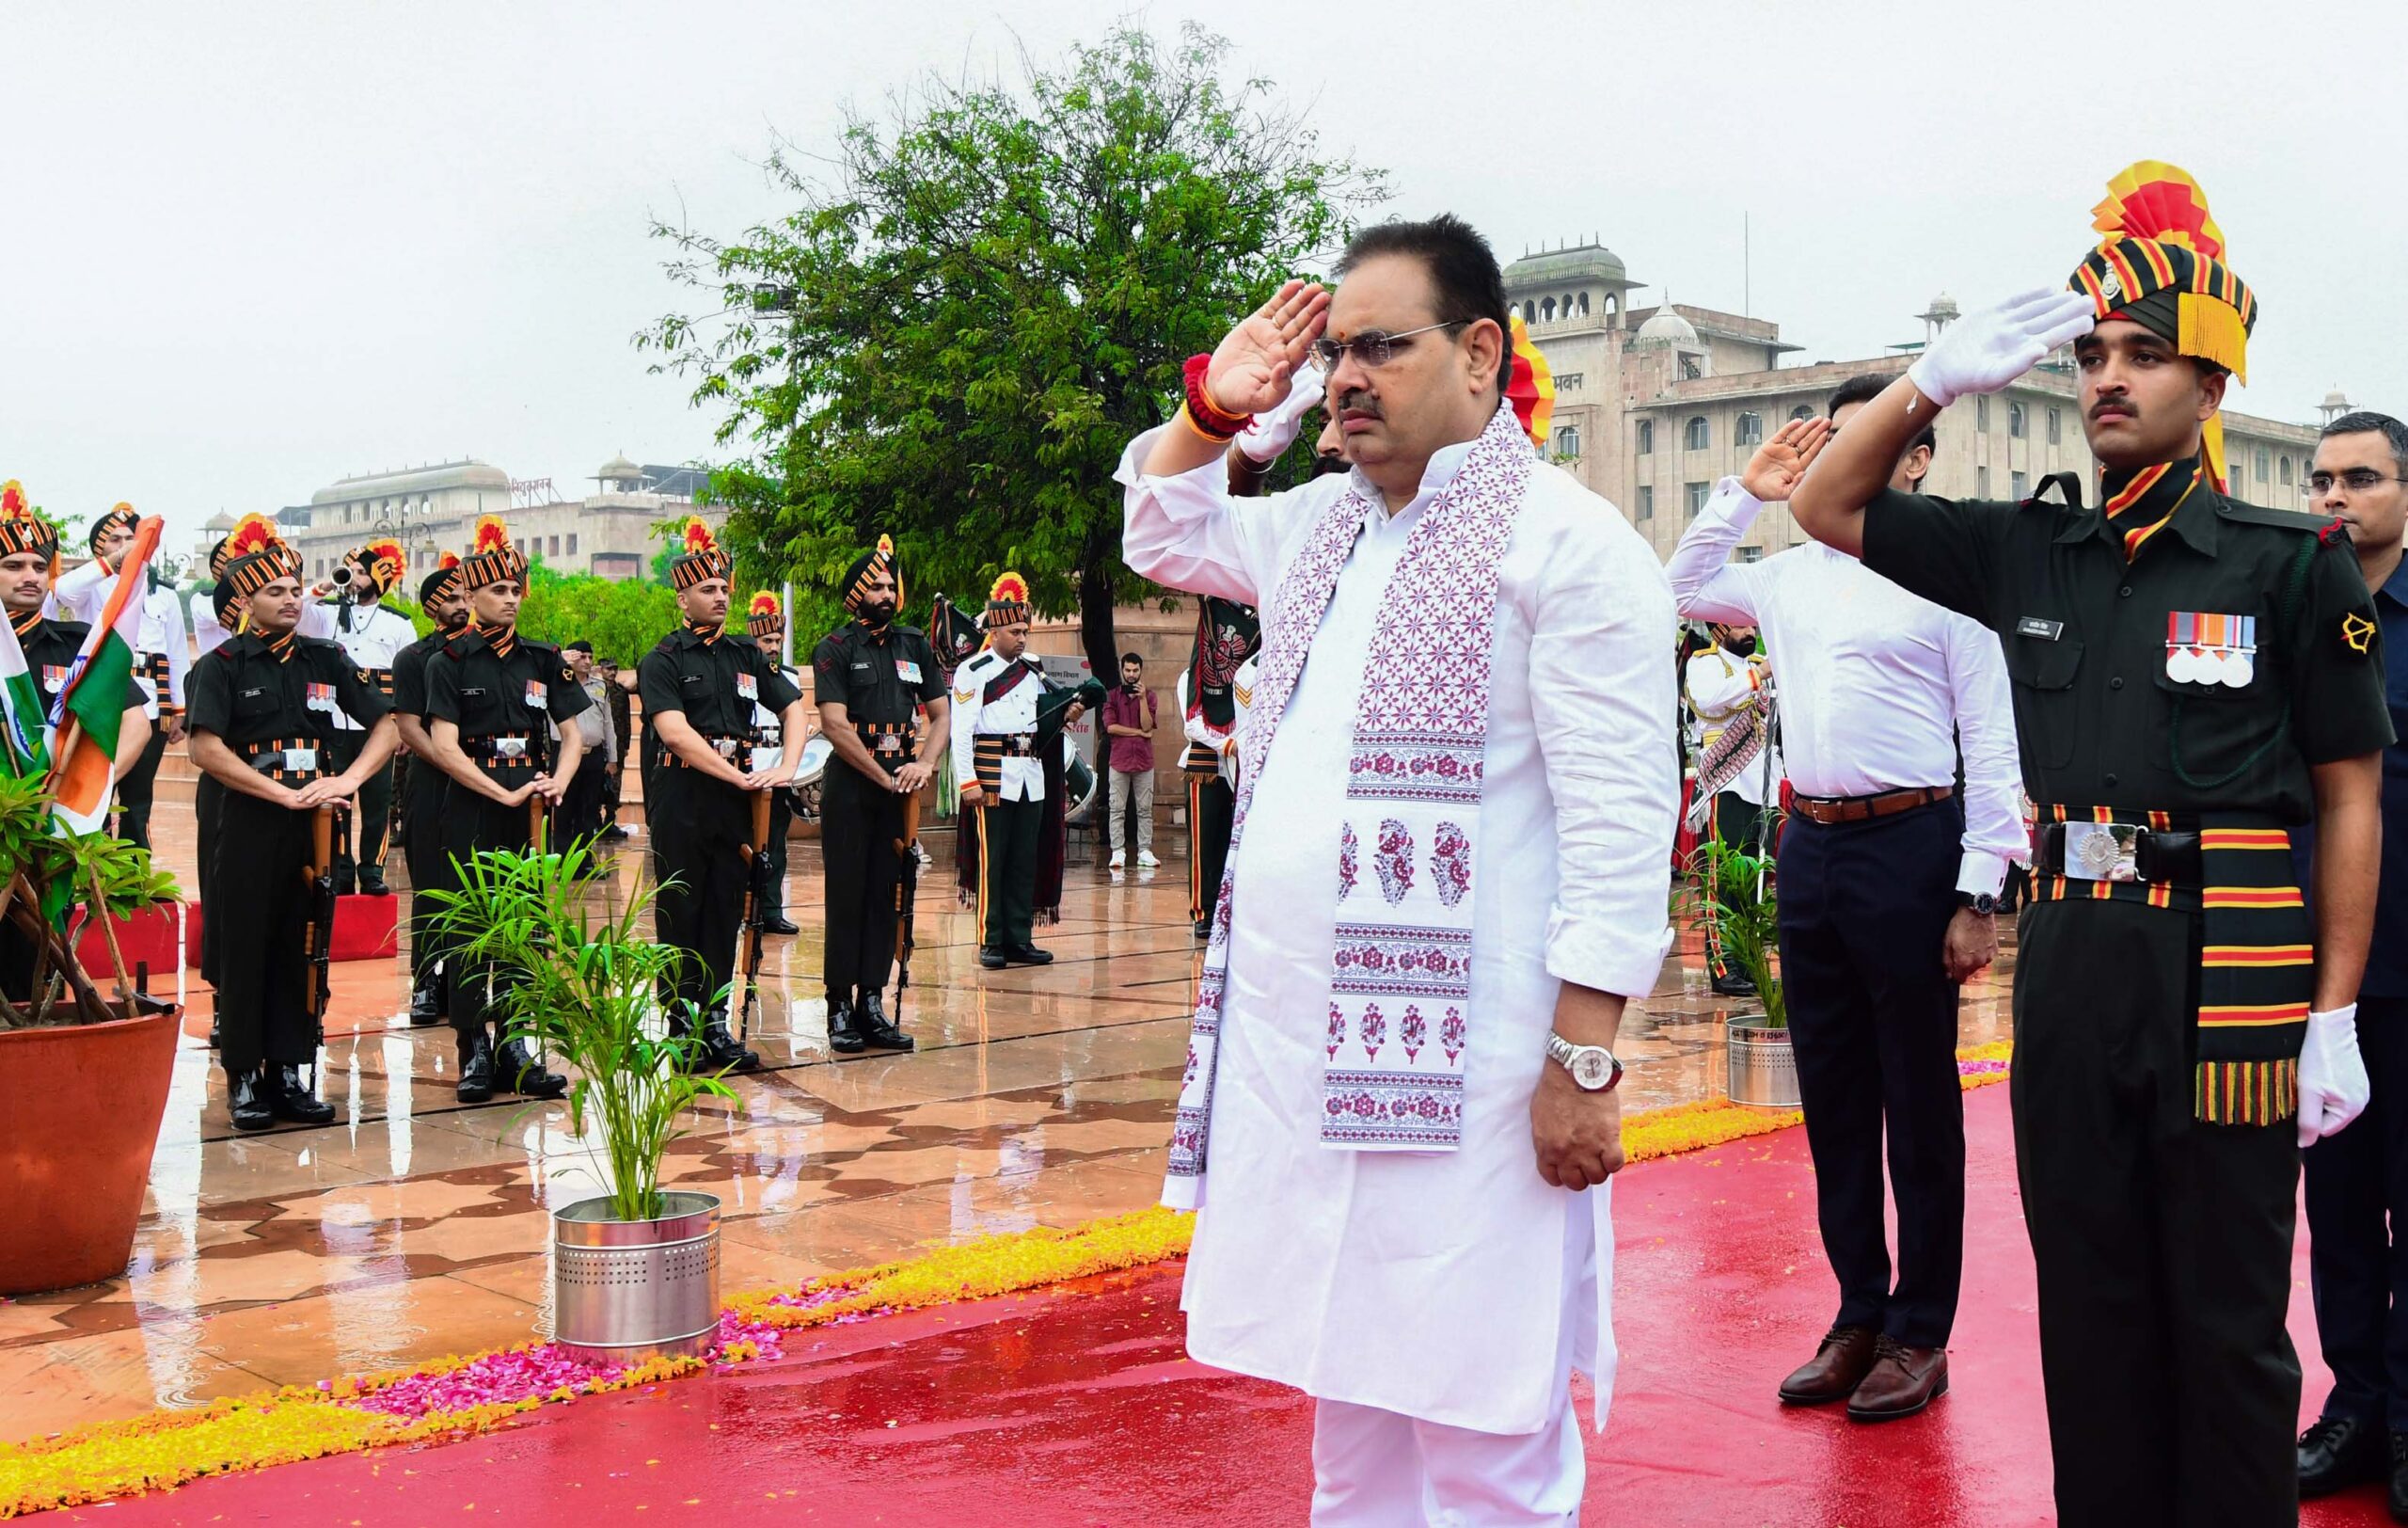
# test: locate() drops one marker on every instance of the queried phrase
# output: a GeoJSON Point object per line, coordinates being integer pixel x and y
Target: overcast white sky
{"type": "Point", "coordinates": [252, 248]}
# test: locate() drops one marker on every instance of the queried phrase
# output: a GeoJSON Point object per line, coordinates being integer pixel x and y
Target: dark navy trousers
{"type": "Point", "coordinates": [1864, 912]}
{"type": "Point", "coordinates": [2357, 1210]}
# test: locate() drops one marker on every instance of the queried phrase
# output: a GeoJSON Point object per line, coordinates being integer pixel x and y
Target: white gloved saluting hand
{"type": "Point", "coordinates": [2333, 1086]}
{"type": "Point", "coordinates": [1987, 351]}
{"type": "Point", "coordinates": [1271, 432]}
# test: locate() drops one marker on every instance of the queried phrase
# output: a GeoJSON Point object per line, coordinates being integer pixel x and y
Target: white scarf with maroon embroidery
{"type": "Point", "coordinates": [1400, 969]}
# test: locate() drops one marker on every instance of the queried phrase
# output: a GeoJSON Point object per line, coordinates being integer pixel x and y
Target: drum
{"type": "Point", "coordinates": [1079, 781]}
{"type": "Point", "coordinates": [816, 755]}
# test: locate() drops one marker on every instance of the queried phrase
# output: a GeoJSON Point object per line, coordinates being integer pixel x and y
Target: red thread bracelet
{"type": "Point", "coordinates": [1208, 419]}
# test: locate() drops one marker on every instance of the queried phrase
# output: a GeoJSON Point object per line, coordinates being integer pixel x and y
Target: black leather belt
{"type": "Point", "coordinates": [286, 759]}
{"type": "Point", "coordinates": [2116, 851]}
{"type": "Point", "coordinates": [736, 751]}
{"type": "Point", "coordinates": [505, 750]}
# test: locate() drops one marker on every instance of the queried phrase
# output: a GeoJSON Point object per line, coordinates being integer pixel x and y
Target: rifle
{"type": "Point", "coordinates": [317, 933]}
{"type": "Point", "coordinates": [907, 895]}
{"type": "Point", "coordinates": [757, 896]}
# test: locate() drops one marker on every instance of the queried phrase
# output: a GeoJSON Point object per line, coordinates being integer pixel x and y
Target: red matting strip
{"type": "Point", "coordinates": [1078, 1407]}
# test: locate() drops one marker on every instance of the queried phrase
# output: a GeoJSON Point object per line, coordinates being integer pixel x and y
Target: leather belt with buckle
{"type": "Point", "coordinates": [736, 751]}
{"type": "Point", "coordinates": [1860, 808]}
{"type": "Point", "coordinates": [2119, 851]}
{"type": "Point", "coordinates": [283, 761]}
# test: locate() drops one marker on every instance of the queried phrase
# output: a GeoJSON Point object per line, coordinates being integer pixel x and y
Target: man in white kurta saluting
{"type": "Point", "coordinates": [1450, 871]}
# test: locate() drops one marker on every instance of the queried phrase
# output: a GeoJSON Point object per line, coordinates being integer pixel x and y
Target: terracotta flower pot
{"type": "Point", "coordinates": [80, 1108]}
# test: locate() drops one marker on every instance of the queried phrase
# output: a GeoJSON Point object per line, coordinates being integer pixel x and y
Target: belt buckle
{"type": "Point", "coordinates": [510, 748]}
{"type": "Point", "coordinates": [2103, 851]}
{"type": "Point", "coordinates": [301, 760]}
{"type": "Point", "coordinates": [890, 743]}
{"type": "Point", "coordinates": [726, 747]}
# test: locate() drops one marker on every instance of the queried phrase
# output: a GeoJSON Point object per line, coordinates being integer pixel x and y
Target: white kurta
{"type": "Point", "coordinates": [1455, 1287]}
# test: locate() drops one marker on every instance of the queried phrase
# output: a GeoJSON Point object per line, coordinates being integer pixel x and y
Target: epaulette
{"type": "Point", "coordinates": [981, 656]}
{"type": "Point", "coordinates": [304, 644]}
{"type": "Point", "coordinates": [467, 644]}
{"type": "Point", "coordinates": [2281, 519]}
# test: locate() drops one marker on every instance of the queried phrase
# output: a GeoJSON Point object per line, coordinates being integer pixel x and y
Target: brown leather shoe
{"type": "Point", "coordinates": [1845, 1357]}
{"type": "Point", "coordinates": [1903, 1381]}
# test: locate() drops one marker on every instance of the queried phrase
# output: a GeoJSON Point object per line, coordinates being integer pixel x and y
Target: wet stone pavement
{"type": "Point", "coordinates": [416, 1227]}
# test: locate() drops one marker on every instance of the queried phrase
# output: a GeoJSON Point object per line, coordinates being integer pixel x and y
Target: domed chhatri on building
{"type": "Point", "coordinates": [434, 509]}
{"type": "Point", "coordinates": [1654, 403]}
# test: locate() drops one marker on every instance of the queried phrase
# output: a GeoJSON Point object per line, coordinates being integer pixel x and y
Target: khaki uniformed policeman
{"type": "Point", "coordinates": [264, 711]}
{"type": "Point", "coordinates": [2194, 676]}
{"type": "Point", "coordinates": [491, 698]}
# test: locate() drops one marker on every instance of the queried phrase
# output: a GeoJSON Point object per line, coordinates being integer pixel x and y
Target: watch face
{"type": "Point", "coordinates": [1591, 1068]}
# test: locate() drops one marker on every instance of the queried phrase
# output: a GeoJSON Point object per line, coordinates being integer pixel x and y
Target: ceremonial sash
{"type": "Point", "coordinates": [1399, 1014]}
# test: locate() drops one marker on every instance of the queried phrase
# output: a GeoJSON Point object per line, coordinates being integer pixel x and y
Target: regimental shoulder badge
{"type": "Point", "coordinates": [568, 674]}
{"type": "Point", "coordinates": [2357, 633]}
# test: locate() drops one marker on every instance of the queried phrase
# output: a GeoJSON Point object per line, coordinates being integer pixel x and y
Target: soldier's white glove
{"type": "Point", "coordinates": [1987, 351]}
{"type": "Point", "coordinates": [2333, 1086]}
{"type": "Point", "coordinates": [1272, 433]}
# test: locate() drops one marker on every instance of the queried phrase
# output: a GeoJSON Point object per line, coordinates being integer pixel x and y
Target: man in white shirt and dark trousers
{"type": "Point", "coordinates": [373, 636]}
{"type": "Point", "coordinates": [1888, 883]}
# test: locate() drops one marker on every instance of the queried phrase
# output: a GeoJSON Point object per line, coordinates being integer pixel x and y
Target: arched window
{"type": "Point", "coordinates": [1696, 435]}
{"type": "Point", "coordinates": [1646, 437]}
{"type": "Point", "coordinates": [1548, 309]}
{"type": "Point", "coordinates": [1529, 313]}
{"type": "Point", "coordinates": [1567, 440]}
{"type": "Point", "coordinates": [1584, 305]}
{"type": "Point", "coordinates": [1751, 429]}
{"type": "Point", "coordinates": [2283, 466]}
{"type": "Point", "coordinates": [1802, 411]}
{"type": "Point", "coordinates": [2014, 420]}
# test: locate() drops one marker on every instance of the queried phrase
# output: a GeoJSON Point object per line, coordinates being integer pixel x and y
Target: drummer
{"type": "Point", "coordinates": [873, 679]}
{"type": "Point", "coordinates": [766, 622]}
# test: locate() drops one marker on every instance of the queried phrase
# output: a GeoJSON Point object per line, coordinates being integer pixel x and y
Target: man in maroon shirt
{"type": "Point", "coordinates": [1130, 713]}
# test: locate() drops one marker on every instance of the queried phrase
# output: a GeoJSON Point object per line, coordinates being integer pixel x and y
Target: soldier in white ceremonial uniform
{"type": "Point", "coordinates": [995, 695]}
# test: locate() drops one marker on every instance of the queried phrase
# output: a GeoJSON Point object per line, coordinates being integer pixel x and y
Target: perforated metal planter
{"type": "Point", "coordinates": [628, 1290]}
{"type": "Point", "coordinates": [1763, 1069]}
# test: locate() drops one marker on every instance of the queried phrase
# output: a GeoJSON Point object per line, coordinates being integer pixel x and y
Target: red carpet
{"type": "Point", "coordinates": [1077, 1409]}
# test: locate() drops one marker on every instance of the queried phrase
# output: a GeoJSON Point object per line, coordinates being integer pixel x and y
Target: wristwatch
{"type": "Point", "coordinates": [1981, 902]}
{"type": "Point", "coordinates": [1594, 1068]}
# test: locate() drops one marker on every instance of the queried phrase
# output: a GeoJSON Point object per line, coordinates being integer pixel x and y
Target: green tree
{"type": "Point", "coordinates": [952, 336]}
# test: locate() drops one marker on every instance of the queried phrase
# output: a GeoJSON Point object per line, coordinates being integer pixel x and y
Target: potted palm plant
{"type": "Point", "coordinates": [84, 1074]}
{"type": "Point", "coordinates": [1742, 898]}
{"type": "Point", "coordinates": [635, 1271]}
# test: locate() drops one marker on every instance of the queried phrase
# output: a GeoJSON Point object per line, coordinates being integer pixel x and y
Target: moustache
{"type": "Point", "coordinates": [1356, 401]}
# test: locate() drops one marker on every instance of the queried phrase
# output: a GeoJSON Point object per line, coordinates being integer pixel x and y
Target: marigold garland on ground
{"type": "Point", "coordinates": [464, 1394]}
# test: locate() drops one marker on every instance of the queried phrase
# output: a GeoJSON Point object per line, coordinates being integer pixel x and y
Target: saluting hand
{"type": "Point", "coordinates": [1251, 368]}
{"type": "Point", "coordinates": [1779, 464]}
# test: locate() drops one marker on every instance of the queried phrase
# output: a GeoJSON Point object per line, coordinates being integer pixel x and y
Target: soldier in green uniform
{"type": "Point", "coordinates": [2194, 676]}
{"type": "Point", "coordinates": [264, 707]}
{"type": "Point", "coordinates": [492, 698]}
{"type": "Point", "coordinates": [872, 678]}
{"type": "Point", "coordinates": [702, 685]}
{"type": "Point", "coordinates": [422, 788]}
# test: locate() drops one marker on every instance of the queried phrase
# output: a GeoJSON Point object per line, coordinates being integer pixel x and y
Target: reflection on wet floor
{"type": "Point", "coordinates": [415, 1226]}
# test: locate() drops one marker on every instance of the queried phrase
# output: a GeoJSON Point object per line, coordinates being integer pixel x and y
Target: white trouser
{"type": "Point", "coordinates": [1383, 1469]}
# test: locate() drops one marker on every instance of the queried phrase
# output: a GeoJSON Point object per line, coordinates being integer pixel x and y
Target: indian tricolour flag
{"type": "Point", "coordinates": [25, 749]}
{"type": "Point", "coordinates": [91, 706]}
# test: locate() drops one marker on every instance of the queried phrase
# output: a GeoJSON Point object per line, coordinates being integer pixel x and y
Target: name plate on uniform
{"type": "Point", "coordinates": [2103, 851]}
{"type": "Point", "coordinates": [2202, 648]}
